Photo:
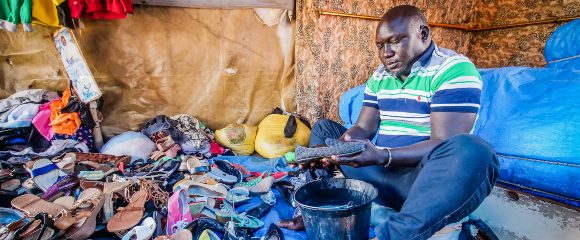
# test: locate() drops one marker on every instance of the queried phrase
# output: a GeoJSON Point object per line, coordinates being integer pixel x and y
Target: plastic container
{"type": "Point", "coordinates": [336, 208]}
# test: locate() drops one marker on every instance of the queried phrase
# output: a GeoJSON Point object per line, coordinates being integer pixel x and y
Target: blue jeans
{"type": "Point", "coordinates": [447, 185]}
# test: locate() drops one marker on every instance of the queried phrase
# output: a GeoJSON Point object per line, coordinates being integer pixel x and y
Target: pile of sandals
{"type": "Point", "coordinates": [182, 190]}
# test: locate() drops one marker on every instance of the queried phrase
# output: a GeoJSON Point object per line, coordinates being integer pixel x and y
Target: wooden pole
{"type": "Point", "coordinates": [460, 27]}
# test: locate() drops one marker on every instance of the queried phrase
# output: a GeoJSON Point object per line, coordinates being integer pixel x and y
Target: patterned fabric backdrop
{"type": "Point", "coordinates": [334, 54]}
{"type": "Point", "coordinates": [519, 46]}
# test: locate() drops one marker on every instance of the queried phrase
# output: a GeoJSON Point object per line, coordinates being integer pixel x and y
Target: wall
{"type": "Point", "coordinates": [520, 46]}
{"type": "Point", "coordinates": [222, 66]}
{"type": "Point", "coordinates": [334, 54]}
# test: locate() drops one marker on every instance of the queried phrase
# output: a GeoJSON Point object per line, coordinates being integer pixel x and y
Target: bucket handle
{"type": "Point", "coordinates": [346, 206]}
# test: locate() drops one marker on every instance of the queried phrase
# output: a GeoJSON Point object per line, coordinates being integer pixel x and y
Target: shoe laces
{"type": "Point", "coordinates": [92, 198]}
{"type": "Point", "coordinates": [156, 194]}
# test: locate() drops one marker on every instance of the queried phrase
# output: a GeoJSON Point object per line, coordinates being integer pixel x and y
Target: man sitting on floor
{"type": "Point", "coordinates": [423, 101]}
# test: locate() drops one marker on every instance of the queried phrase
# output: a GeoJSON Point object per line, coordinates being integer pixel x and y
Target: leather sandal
{"type": "Point", "coordinates": [130, 215]}
{"type": "Point", "coordinates": [10, 185]}
{"type": "Point", "coordinates": [83, 215]}
{"type": "Point", "coordinates": [31, 205]}
{"type": "Point", "coordinates": [109, 190]}
{"type": "Point", "coordinates": [65, 201]}
{"type": "Point", "coordinates": [102, 158]}
{"type": "Point", "coordinates": [38, 229]}
{"type": "Point", "coordinates": [7, 232]}
{"type": "Point", "coordinates": [66, 163]}
{"type": "Point", "coordinates": [10, 221]}
{"type": "Point", "coordinates": [86, 184]}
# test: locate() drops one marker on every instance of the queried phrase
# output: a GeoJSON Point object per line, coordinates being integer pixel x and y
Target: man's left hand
{"type": "Point", "coordinates": [371, 155]}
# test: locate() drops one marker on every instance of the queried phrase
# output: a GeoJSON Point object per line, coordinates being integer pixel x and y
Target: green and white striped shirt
{"type": "Point", "coordinates": [440, 81]}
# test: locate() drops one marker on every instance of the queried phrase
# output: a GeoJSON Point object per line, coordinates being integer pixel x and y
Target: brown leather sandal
{"type": "Point", "coordinates": [102, 158]}
{"type": "Point", "coordinates": [80, 222]}
{"type": "Point", "coordinates": [110, 189]}
{"type": "Point", "coordinates": [38, 229]}
{"type": "Point", "coordinates": [31, 205]}
{"type": "Point", "coordinates": [130, 215]}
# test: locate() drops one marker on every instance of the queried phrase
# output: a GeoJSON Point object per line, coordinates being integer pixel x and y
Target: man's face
{"type": "Point", "coordinates": [62, 40]}
{"type": "Point", "coordinates": [399, 45]}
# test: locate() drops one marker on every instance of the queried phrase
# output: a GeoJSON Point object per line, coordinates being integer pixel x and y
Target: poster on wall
{"type": "Point", "coordinates": [76, 67]}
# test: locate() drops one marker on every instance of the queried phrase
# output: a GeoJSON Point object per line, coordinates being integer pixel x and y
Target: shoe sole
{"type": "Point", "coordinates": [308, 160]}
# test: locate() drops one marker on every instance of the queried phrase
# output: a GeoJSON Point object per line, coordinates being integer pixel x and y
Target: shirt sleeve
{"type": "Point", "coordinates": [457, 88]}
{"type": "Point", "coordinates": [371, 90]}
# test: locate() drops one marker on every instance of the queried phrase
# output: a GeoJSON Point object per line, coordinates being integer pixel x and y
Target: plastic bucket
{"type": "Point", "coordinates": [336, 209]}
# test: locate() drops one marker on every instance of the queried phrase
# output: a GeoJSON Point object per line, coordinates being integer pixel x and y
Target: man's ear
{"type": "Point", "coordinates": [425, 31]}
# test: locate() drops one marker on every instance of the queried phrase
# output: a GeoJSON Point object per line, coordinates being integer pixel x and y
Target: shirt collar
{"type": "Point", "coordinates": [424, 58]}
{"type": "Point", "coordinates": [420, 63]}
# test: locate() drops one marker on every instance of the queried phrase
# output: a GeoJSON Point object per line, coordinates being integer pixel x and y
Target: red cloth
{"type": "Point", "coordinates": [100, 9]}
{"type": "Point", "coordinates": [216, 148]}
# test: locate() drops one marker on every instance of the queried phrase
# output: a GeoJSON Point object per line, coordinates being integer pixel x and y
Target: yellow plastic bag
{"type": "Point", "coordinates": [271, 142]}
{"type": "Point", "coordinates": [239, 138]}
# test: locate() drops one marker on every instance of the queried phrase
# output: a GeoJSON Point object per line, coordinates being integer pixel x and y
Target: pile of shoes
{"type": "Point", "coordinates": [180, 190]}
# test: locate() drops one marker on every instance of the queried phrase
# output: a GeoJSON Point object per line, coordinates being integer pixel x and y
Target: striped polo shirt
{"type": "Point", "coordinates": [440, 81]}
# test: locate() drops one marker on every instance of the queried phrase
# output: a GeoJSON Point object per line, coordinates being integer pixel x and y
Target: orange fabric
{"type": "Point", "coordinates": [63, 123]}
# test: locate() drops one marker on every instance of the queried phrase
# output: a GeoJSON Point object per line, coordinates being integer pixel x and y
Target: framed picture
{"type": "Point", "coordinates": [76, 67]}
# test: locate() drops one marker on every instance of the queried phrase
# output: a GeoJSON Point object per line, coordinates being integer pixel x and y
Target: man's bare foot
{"type": "Point", "coordinates": [296, 224]}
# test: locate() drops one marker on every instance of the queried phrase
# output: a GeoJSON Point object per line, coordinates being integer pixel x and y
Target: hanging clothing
{"type": "Point", "coordinates": [64, 16]}
{"type": "Point", "coordinates": [45, 13]}
{"type": "Point", "coordinates": [63, 123]}
{"type": "Point", "coordinates": [13, 12]}
{"type": "Point", "coordinates": [101, 9]}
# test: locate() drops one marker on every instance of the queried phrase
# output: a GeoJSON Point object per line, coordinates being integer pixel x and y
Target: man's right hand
{"type": "Point", "coordinates": [296, 224]}
{"type": "Point", "coordinates": [319, 163]}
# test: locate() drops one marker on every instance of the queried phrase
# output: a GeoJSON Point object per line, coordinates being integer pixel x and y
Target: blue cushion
{"type": "Point", "coordinates": [531, 117]}
{"type": "Point", "coordinates": [563, 44]}
{"type": "Point", "coordinates": [350, 105]}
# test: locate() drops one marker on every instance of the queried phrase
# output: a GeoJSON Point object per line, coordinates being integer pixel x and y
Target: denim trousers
{"type": "Point", "coordinates": [446, 186]}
